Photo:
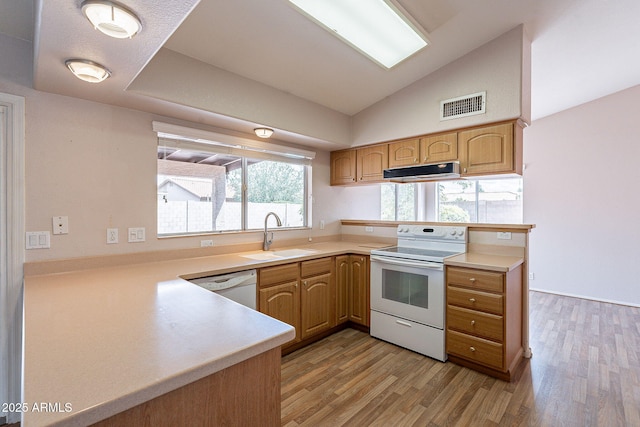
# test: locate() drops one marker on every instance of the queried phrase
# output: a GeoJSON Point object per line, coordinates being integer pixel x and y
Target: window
{"type": "Point", "coordinates": [493, 201]}
{"type": "Point", "coordinates": [205, 187]}
{"type": "Point", "coordinates": [398, 202]}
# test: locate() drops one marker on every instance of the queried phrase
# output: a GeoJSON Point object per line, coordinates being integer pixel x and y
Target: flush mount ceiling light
{"type": "Point", "coordinates": [263, 132]}
{"type": "Point", "coordinates": [88, 71]}
{"type": "Point", "coordinates": [377, 28]}
{"type": "Point", "coordinates": [111, 18]}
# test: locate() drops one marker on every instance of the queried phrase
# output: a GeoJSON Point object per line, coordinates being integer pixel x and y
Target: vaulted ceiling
{"type": "Point", "coordinates": [581, 50]}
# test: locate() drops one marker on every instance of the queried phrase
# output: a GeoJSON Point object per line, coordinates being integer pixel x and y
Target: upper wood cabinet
{"type": "Point", "coordinates": [485, 150]}
{"type": "Point", "coordinates": [491, 149]}
{"type": "Point", "coordinates": [439, 148]}
{"type": "Point", "coordinates": [404, 153]}
{"type": "Point", "coordinates": [371, 162]}
{"type": "Point", "coordinates": [343, 167]}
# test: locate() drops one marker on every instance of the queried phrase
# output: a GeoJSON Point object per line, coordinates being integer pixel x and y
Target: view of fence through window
{"type": "Point", "coordinates": [204, 197]}
{"type": "Point", "coordinates": [493, 201]}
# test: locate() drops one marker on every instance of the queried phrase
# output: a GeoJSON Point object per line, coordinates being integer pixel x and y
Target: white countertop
{"type": "Point", "coordinates": [100, 341]}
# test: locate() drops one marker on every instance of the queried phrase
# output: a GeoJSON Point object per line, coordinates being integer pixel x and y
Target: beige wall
{"type": "Point", "coordinates": [581, 190]}
{"type": "Point", "coordinates": [500, 67]}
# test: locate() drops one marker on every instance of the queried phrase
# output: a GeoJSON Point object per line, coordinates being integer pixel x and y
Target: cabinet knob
{"type": "Point", "coordinates": [472, 300]}
{"type": "Point", "coordinates": [472, 348]}
{"type": "Point", "coordinates": [472, 280]}
{"type": "Point", "coordinates": [415, 160]}
{"type": "Point", "coordinates": [304, 283]}
{"type": "Point", "coordinates": [473, 322]}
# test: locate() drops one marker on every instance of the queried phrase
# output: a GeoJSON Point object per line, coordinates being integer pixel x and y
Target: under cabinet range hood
{"type": "Point", "coordinates": [430, 172]}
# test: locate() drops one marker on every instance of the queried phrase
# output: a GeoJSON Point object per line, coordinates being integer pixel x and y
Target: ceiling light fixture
{"type": "Point", "coordinates": [376, 28]}
{"type": "Point", "coordinates": [111, 18]}
{"type": "Point", "coordinates": [88, 71]}
{"type": "Point", "coordinates": [263, 132]}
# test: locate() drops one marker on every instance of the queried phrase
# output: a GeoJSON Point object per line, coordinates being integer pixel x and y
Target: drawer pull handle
{"type": "Point", "coordinates": [473, 279]}
{"type": "Point", "coordinates": [473, 322]}
{"type": "Point", "coordinates": [472, 300]}
{"type": "Point", "coordinates": [400, 322]}
{"type": "Point", "coordinates": [472, 348]}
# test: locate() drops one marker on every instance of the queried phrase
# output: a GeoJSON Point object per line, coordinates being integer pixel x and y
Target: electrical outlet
{"type": "Point", "coordinates": [504, 235]}
{"type": "Point", "coordinates": [368, 229]}
{"type": "Point", "coordinates": [322, 224]}
{"type": "Point", "coordinates": [206, 243]}
{"type": "Point", "coordinates": [136, 235]}
{"type": "Point", "coordinates": [112, 236]}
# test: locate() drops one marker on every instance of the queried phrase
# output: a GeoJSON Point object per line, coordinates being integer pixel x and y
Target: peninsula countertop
{"type": "Point", "coordinates": [100, 341]}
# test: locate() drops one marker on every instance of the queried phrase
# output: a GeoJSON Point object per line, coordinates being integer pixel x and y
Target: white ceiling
{"type": "Point", "coordinates": [581, 49]}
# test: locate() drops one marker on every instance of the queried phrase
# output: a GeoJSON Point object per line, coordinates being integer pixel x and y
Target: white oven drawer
{"type": "Point", "coordinates": [405, 333]}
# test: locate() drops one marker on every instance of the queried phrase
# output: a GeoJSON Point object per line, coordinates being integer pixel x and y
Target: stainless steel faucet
{"type": "Point", "coordinates": [267, 242]}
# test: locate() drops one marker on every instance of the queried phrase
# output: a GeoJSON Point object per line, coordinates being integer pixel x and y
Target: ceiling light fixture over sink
{"type": "Point", "coordinates": [111, 18]}
{"type": "Point", "coordinates": [88, 71]}
{"type": "Point", "coordinates": [263, 132]}
{"type": "Point", "coordinates": [377, 28]}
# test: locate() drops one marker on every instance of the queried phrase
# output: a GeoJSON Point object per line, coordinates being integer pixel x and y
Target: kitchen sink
{"type": "Point", "coordinates": [285, 253]}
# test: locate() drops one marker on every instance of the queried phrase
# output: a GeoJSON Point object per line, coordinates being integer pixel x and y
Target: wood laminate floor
{"type": "Point", "coordinates": [585, 371]}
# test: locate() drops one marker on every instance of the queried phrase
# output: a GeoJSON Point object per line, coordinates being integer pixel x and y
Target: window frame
{"type": "Point", "coordinates": [200, 141]}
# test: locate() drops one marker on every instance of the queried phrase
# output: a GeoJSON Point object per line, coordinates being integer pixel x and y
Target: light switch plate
{"type": "Point", "coordinates": [136, 234]}
{"type": "Point", "coordinates": [37, 240]}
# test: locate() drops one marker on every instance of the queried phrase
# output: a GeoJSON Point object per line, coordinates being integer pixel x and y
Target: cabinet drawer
{"type": "Point", "coordinates": [316, 267]}
{"type": "Point", "coordinates": [476, 323]}
{"type": "Point", "coordinates": [491, 303]}
{"type": "Point", "coordinates": [475, 349]}
{"type": "Point", "coordinates": [279, 274]}
{"type": "Point", "coordinates": [477, 279]}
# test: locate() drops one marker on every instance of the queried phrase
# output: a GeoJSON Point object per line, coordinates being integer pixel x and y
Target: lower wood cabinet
{"type": "Point", "coordinates": [279, 295]}
{"type": "Point", "coordinates": [317, 296]}
{"type": "Point", "coordinates": [484, 319]}
{"type": "Point", "coordinates": [352, 289]}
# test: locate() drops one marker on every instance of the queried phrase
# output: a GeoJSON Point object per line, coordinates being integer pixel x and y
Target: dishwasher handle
{"type": "Point", "coordinates": [219, 283]}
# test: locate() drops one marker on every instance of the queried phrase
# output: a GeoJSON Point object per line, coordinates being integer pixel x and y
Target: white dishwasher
{"type": "Point", "coordinates": [239, 287]}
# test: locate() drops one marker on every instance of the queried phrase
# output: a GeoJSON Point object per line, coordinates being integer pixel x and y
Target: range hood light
{"type": "Point", "coordinates": [420, 173]}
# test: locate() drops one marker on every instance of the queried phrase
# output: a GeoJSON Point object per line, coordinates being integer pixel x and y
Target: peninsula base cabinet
{"type": "Point", "coordinates": [246, 394]}
{"type": "Point", "coordinates": [484, 320]}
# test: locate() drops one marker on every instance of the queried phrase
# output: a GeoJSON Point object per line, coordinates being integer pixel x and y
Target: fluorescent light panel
{"type": "Point", "coordinates": [373, 27]}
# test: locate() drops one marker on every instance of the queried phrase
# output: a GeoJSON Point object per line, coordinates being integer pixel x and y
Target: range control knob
{"type": "Point", "coordinates": [461, 233]}
{"type": "Point", "coordinates": [453, 232]}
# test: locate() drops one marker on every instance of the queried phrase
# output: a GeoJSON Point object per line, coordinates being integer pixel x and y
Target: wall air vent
{"type": "Point", "coordinates": [462, 106]}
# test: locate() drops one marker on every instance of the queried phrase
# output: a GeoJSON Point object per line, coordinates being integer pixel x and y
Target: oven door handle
{"type": "Point", "coordinates": [418, 264]}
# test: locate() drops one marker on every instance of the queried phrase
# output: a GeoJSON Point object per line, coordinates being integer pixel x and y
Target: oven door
{"type": "Point", "coordinates": [413, 290]}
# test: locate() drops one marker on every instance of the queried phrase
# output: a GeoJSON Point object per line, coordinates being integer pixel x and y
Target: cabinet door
{"type": "Point", "coordinates": [343, 275]}
{"type": "Point", "coordinates": [371, 162]}
{"type": "Point", "coordinates": [404, 153]}
{"type": "Point", "coordinates": [318, 312]}
{"type": "Point", "coordinates": [282, 302]}
{"type": "Point", "coordinates": [359, 290]}
{"type": "Point", "coordinates": [439, 148]}
{"type": "Point", "coordinates": [487, 150]}
{"type": "Point", "coordinates": [343, 167]}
